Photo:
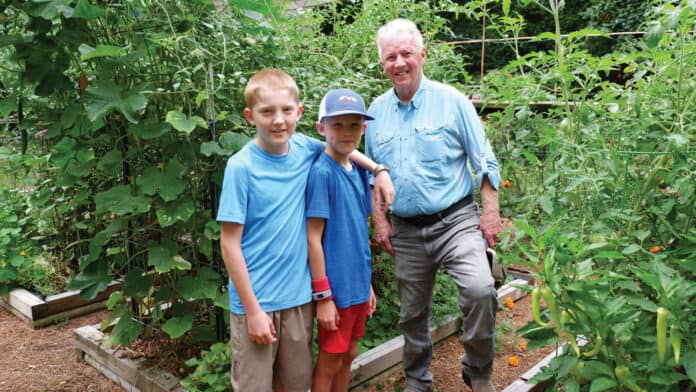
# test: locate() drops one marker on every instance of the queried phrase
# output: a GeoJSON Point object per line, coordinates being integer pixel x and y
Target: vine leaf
{"type": "Point", "coordinates": [177, 326]}
{"type": "Point", "coordinates": [105, 96]}
{"type": "Point", "coordinates": [125, 331]}
{"type": "Point", "coordinates": [173, 212]}
{"type": "Point", "coordinates": [167, 183]}
{"type": "Point", "coordinates": [118, 200]}
{"type": "Point", "coordinates": [164, 258]}
{"type": "Point", "coordinates": [89, 52]}
{"type": "Point", "coordinates": [85, 10]}
{"type": "Point", "coordinates": [184, 124]}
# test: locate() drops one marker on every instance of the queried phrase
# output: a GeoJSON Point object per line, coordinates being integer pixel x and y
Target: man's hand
{"type": "Point", "coordinates": [327, 315]}
{"type": "Point", "coordinates": [383, 230]}
{"type": "Point", "coordinates": [383, 193]}
{"type": "Point", "coordinates": [260, 328]}
{"type": "Point", "coordinates": [491, 226]}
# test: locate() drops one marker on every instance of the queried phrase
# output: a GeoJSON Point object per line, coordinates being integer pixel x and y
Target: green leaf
{"type": "Point", "coordinates": [125, 331]}
{"type": "Point", "coordinates": [630, 249]}
{"type": "Point", "coordinates": [233, 141]}
{"type": "Point", "coordinates": [609, 254]}
{"type": "Point", "coordinates": [137, 284]}
{"type": "Point", "coordinates": [89, 53]}
{"type": "Point", "coordinates": [178, 326]}
{"type": "Point", "coordinates": [167, 183]}
{"type": "Point", "coordinates": [506, 7]}
{"type": "Point", "coordinates": [49, 10]}
{"type": "Point", "coordinates": [184, 124]}
{"type": "Point", "coordinates": [85, 10]}
{"type": "Point", "coordinates": [525, 228]}
{"type": "Point", "coordinates": [150, 129]}
{"type": "Point", "coordinates": [689, 361]}
{"type": "Point", "coordinates": [118, 200]}
{"type": "Point", "coordinates": [104, 97]}
{"type": "Point", "coordinates": [205, 284]}
{"type": "Point", "coordinates": [173, 212]}
{"type": "Point", "coordinates": [164, 258]}
{"type": "Point", "coordinates": [211, 148]}
{"type": "Point", "coordinates": [8, 273]}
{"type": "Point", "coordinates": [8, 105]}
{"type": "Point", "coordinates": [64, 151]}
{"type": "Point", "coordinates": [175, 185]}
{"type": "Point", "coordinates": [111, 164]}
{"type": "Point", "coordinates": [654, 35]}
{"type": "Point", "coordinates": [602, 384]}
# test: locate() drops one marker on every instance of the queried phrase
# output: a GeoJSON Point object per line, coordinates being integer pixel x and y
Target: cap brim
{"type": "Point", "coordinates": [345, 112]}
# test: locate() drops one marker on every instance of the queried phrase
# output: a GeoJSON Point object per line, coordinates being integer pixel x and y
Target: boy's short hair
{"type": "Point", "coordinates": [271, 79]}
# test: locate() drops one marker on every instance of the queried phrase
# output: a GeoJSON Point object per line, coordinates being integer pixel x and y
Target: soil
{"type": "Point", "coordinates": [45, 359]}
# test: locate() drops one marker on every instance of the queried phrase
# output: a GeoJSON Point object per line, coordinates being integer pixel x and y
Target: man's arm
{"type": "Point", "coordinates": [383, 229]}
{"type": "Point", "coordinates": [384, 195]}
{"type": "Point", "coordinates": [490, 216]}
{"type": "Point", "coordinates": [260, 326]}
{"type": "Point", "coordinates": [327, 315]}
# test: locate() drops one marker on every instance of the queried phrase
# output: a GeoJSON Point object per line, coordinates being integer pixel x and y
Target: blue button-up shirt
{"type": "Point", "coordinates": [427, 146]}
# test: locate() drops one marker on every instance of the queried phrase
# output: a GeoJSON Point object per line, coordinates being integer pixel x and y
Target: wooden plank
{"type": "Point", "coordinates": [115, 364]}
{"type": "Point", "coordinates": [518, 386]}
{"type": "Point", "coordinates": [23, 301]}
{"type": "Point", "coordinates": [38, 312]}
{"type": "Point", "coordinates": [70, 300]}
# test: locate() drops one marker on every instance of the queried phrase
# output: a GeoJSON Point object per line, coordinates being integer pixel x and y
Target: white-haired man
{"type": "Point", "coordinates": [429, 135]}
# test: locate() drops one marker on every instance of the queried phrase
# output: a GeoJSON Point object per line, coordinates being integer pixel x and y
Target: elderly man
{"type": "Point", "coordinates": [429, 135]}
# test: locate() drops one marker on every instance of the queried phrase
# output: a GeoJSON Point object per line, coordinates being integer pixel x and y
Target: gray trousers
{"type": "Point", "coordinates": [454, 243]}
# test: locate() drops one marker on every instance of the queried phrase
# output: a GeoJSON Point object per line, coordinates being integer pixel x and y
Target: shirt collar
{"type": "Point", "coordinates": [418, 97]}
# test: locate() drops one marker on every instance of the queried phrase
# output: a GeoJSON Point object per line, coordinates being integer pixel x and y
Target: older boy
{"type": "Point", "coordinates": [263, 240]}
{"type": "Point", "coordinates": [338, 203]}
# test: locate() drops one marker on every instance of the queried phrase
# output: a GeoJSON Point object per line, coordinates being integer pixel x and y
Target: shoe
{"type": "Point", "coordinates": [498, 272]}
{"type": "Point", "coordinates": [477, 384]}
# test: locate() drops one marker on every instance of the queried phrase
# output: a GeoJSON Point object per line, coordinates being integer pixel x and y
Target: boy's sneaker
{"type": "Point", "coordinates": [477, 384]}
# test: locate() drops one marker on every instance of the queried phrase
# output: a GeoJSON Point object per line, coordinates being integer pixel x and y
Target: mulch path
{"type": "Point", "coordinates": [45, 359]}
{"type": "Point", "coordinates": [446, 366]}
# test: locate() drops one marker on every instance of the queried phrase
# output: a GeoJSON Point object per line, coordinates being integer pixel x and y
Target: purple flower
{"type": "Point", "coordinates": [42, 133]}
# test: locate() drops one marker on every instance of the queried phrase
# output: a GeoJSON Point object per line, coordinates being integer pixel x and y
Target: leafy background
{"type": "Point", "coordinates": [125, 112]}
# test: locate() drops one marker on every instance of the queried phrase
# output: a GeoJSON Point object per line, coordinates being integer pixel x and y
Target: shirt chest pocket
{"type": "Point", "coordinates": [385, 149]}
{"type": "Point", "coordinates": [430, 145]}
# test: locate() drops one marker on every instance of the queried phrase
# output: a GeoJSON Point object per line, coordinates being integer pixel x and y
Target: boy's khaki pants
{"type": "Point", "coordinates": [286, 363]}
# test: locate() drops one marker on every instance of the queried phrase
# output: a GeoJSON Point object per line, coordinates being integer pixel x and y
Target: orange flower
{"type": "Point", "coordinates": [509, 303]}
{"type": "Point", "coordinates": [523, 345]}
{"type": "Point", "coordinates": [513, 361]}
{"type": "Point", "coordinates": [506, 184]}
{"type": "Point", "coordinates": [655, 249]}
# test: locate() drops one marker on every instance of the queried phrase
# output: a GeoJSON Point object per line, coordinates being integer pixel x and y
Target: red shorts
{"type": "Point", "coordinates": [350, 327]}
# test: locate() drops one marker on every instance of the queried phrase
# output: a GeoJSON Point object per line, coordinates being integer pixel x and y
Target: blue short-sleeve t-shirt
{"type": "Point", "coordinates": [266, 193]}
{"type": "Point", "coordinates": [342, 197]}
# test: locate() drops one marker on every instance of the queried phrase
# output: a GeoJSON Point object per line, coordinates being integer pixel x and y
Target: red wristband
{"type": "Point", "coordinates": [319, 285]}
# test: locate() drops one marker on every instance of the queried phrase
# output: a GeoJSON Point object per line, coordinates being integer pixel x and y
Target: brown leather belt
{"type": "Point", "coordinates": [427, 220]}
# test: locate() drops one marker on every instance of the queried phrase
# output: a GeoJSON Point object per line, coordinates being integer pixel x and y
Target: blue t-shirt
{"type": "Point", "coordinates": [266, 193]}
{"type": "Point", "coordinates": [342, 197]}
{"type": "Point", "coordinates": [429, 146]}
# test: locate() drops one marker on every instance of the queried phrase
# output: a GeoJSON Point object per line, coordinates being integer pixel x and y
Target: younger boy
{"type": "Point", "coordinates": [338, 204]}
{"type": "Point", "coordinates": [263, 240]}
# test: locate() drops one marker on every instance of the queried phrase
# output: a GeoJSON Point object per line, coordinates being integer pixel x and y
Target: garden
{"type": "Point", "coordinates": [117, 119]}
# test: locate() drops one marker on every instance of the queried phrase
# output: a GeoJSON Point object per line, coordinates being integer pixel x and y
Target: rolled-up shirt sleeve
{"type": "Point", "coordinates": [478, 147]}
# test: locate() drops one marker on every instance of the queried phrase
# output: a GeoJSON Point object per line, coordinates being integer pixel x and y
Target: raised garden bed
{"type": "Point", "coordinates": [37, 311]}
{"type": "Point", "coordinates": [124, 367]}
